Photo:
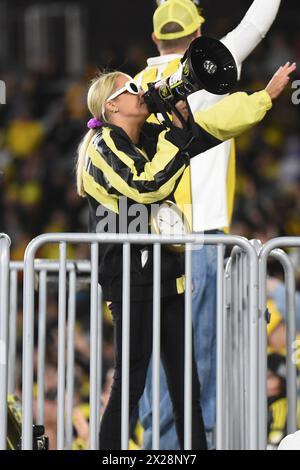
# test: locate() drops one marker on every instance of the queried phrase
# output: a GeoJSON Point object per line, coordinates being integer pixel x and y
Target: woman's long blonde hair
{"type": "Point", "coordinates": [101, 88]}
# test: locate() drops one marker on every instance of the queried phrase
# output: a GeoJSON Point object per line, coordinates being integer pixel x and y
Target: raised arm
{"type": "Point", "coordinates": [239, 112]}
{"type": "Point", "coordinates": [252, 29]}
{"type": "Point", "coordinates": [234, 114]}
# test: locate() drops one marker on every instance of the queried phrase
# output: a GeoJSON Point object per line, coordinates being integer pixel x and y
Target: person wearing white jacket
{"type": "Point", "coordinates": [212, 178]}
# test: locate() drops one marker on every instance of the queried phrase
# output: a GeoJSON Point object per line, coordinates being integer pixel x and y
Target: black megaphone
{"type": "Point", "coordinates": [207, 64]}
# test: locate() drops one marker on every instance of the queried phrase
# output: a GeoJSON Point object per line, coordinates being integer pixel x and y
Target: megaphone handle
{"type": "Point", "coordinates": [179, 115]}
{"type": "Point", "coordinates": [193, 125]}
{"type": "Point", "coordinates": [161, 109]}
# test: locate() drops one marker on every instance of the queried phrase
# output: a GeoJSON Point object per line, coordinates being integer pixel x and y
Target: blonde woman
{"type": "Point", "coordinates": [122, 156]}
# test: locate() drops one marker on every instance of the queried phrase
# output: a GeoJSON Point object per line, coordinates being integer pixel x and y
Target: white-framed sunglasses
{"type": "Point", "coordinates": [129, 86]}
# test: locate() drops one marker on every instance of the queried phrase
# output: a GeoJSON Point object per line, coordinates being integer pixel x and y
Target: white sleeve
{"type": "Point", "coordinates": [252, 29]}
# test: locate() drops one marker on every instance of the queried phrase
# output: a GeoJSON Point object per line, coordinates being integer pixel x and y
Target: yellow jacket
{"type": "Point", "coordinates": [183, 194]}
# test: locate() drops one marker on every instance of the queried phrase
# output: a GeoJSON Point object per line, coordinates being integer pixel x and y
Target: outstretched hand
{"type": "Point", "coordinates": [279, 81]}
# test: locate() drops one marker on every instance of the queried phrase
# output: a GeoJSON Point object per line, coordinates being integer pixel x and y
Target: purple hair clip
{"type": "Point", "coordinates": [94, 123]}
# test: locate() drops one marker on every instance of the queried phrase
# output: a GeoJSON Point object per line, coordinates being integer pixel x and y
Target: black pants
{"type": "Point", "coordinates": [172, 355]}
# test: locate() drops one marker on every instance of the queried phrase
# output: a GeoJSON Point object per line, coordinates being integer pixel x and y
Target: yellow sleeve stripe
{"type": "Point", "coordinates": [234, 114]}
{"type": "Point", "coordinates": [166, 151]}
{"type": "Point", "coordinates": [91, 187]}
{"type": "Point", "coordinates": [124, 189]}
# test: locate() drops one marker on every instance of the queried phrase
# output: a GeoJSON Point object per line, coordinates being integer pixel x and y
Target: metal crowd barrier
{"type": "Point", "coordinates": [271, 249]}
{"type": "Point", "coordinates": [238, 345]}
{"type": "Point", "coordinates": [241, 336]}
{"type": "Point", "coordinates": [4, 289]}
{"type": "Point", "coordinates": [42, 269]}
{"type": "Point", "coordinates": [127, 240]}
{"type": "Point", "coordinates": [235, 357]}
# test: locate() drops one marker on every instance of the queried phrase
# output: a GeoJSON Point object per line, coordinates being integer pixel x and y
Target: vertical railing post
{"type": "Point", "coordinates": [262, 404]}
{"type": "Point", "coordinates": [188, 341]}
{"type": "Point", "coordinates": [61, 368]}
{"type": "Point", "coordinates": [28, 330]}
{"type": "Point", "coordinates": [99, 356]}
{"type": "Point", "coordinates": [94, 438]}
{"type": "Point", "coordinates": [224, 432]}
{"type": "Point", "coordinates": [12, 350]}
{"type": "Point", "coordinates": [156, 347]}
{"type": "Point", "coordinates": [4, 295]}
{"type": "Point", "coordinates": [291, 368]}
{"type": "Point", "coordinates": [242, 320]}
{"type": "Point", "coordinates": [70, 357]}
{"type": "Point", "coordinates": [235, 421]}
{"type": "Point", "coordinates": [253, 349]}
{"type": "Point", "coordinates": [221, 344]}
{"type": "Point", "coordinates": [41, 345]}
{"type": "Point", "coordinates": [125, 347]}
{"type": "Point", "coordinates": [246, 348]}
{"type": "Point", "coordinates": [263, 257]}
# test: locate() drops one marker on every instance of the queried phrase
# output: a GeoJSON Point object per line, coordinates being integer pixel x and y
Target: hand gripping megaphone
{"type": "Point", "coordinates": [207, 64]}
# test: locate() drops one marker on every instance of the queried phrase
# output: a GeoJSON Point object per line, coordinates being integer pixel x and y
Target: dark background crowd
{"type": "Point", "coordinates": [47, 64]}
{"type": "Point", "coordinates": [45, 116]}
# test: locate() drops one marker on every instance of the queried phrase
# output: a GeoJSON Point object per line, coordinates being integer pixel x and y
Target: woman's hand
{"type": "Point", "coordinates": [280, 80]}
{"type": "Point", "coordinates": [181, 106]}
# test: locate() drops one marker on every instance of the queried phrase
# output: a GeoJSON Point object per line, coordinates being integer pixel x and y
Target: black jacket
{"type": "Point", "coordinates": [146, 174]}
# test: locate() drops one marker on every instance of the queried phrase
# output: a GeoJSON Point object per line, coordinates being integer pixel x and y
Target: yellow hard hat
{"type": "Point", "coordinates": [182, 12]}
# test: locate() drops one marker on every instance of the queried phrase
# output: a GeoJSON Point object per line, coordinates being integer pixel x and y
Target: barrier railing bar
{"type": "Point", "coordinates": [27, 369]}
{"type": "Point", "coordinates": [236, 346]}
{"type": "Point", "coordinates": [99, 357]}
{"type": "Point", "coordinates": [235, 360]}
{"type": "Point", "coordinates": [220, 408]}
{"type": "Point", "coordinates": [61, 366]}
{"type": "Point", "coordinates": [188, 341]}
{"type": "Point", "coordinates": [242, 320]}
{"type": "Point", "coordinates": [94, 439]}
{"type": "Point", "coordinates": [156, 348]}
{"type": "Point", "coordinates": [4, 296]}
{"type": "Point", "coordinates": [253, 348]}
{"type": "Point", "coordinates": [41, 346]}
{"type": "Point", "coordinates": [226, 357]}
{"type": "Point", "coordinates": [12, 346]}
{"type": "Point", "coordinates": [246, 349]}
{"type": "Point", "coordinates": [254, 366]}
{"type": "Point", "coordinates": [125, 347]}
{"type": "Point", "coordinates": [52, 266]}
{"type": "Point", "coordinates": [291, 380]}
{"type": "Point", "coordinates": [280, 242]}
{"type": "Point", "coordinates": [70, 357]}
